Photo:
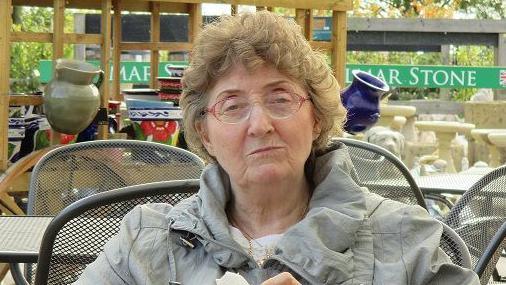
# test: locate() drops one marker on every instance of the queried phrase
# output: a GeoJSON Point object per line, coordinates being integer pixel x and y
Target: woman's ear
{"type": "Point", "coordinates": [317, 129]}
{"type": "Point", "coordinates": [204, 137]}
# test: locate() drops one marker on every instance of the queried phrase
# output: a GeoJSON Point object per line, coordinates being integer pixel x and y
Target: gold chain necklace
{"type": "Point", "coordinates": [269, 251]}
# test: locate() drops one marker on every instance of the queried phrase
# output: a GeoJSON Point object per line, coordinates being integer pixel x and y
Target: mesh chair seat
{"type": "Point", "coordinates": [78, 234]}
{"type": "Point", "coordinates": [382, 173]}
{"type": "Point", "coordinates": [479, 213]}
{"type": "Point", "coordinates": [71, 172]}
{"type": "Point", "coordinates": [486, 264]}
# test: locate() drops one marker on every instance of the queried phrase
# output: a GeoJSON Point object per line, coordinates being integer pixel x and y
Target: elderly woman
{"type": "Point", "coordinates": [276, 203]}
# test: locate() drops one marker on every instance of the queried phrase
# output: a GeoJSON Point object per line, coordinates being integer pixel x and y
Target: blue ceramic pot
{"type": "Point", "coordinates": [361, 98]}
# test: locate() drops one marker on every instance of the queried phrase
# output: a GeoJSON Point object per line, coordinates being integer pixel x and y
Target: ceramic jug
{"type": "Point", "coordinates": [361, 98]}
{"type": "Point", "coordinates": [71, 99]}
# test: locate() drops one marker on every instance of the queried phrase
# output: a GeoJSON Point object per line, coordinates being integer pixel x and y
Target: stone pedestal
{"type": "Point", "coordinates": [388, 113]}
{"type": "Point", "coordinates": [498, 139]}
{"type": "Point", "coordinates": [482, 136]}
{"type": "Point", "coordinates": [485, 115]}
{"type": "Point", "coordinates": [445, 132]}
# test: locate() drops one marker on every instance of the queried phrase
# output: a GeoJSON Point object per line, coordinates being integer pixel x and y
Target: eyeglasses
{"type": "Point", "coordinates": [236, 109]}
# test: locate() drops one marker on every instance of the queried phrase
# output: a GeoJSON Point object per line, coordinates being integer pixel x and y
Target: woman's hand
{"type": "Point", "coordinates": [284, 278]}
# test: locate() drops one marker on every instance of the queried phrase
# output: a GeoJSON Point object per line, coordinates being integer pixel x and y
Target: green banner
{"type": "Point", "coordinates": [421, 76]}
{"type": "Point", "coordinates": [130, 72]}
{"type": "Point", "coordinates": [435, 76]}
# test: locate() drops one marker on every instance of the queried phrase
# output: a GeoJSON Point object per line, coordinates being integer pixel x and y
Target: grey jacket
{"type": "Point", "coordinates": [349, 236]}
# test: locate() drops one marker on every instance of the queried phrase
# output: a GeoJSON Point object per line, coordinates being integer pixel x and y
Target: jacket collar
{"type": "Point", "coordinates": [316, 245]}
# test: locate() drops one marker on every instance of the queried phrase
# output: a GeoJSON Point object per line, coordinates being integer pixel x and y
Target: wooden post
{"type": "Point", "coordinates": [116, 52]}
{"type": "Point", "coordinates": [5, 63]}
{"type": "Point", "coordinates": [444, 93]}
{"type": "Point", "coordinates": [105, 59]}
{"type": "Point", "coordinates": [338, 40]}
{"type": "Point", "coordinates": [500, 60]}
{"type": "Point", "coordinates": [155, 37]}
{"type": "Point", "coordinates": [304, 18]}
{"type": "Point", "coordinates": [234, 9]}
{"type": "Point", "coordinates": [58, 24]}
{"type": "Point", "coordinates": [195, 24]}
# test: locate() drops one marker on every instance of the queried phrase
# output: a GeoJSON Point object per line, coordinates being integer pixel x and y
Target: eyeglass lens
{"type": "Point", "coordinates": [279, 105]}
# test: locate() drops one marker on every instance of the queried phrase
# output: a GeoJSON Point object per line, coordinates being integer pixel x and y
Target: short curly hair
{"type": "Point", "coordinates": [254, 39]}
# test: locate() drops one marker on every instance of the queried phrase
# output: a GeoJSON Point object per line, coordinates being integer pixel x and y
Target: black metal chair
{"type": "Point", "coordinates": [386, 175]}
{"type": "Point", "coordinates": [77, 235]}
{"type": "Point", "coordinates": [72, 172]}
{"type": "Point", "coordinates": [486, 265]}
{"type": "Point", "coordinates": [479, 214]}
{"type": "Point", "coordinates": [383, 173]}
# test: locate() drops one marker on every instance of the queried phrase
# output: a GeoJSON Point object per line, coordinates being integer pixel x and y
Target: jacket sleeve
{"type": "Point", "coordinates": [126, 257]}
{"type": "Point", "coordinates": [409, 249]}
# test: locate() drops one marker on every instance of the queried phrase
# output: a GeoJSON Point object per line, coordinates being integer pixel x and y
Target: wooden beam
{"type": "Point", "coordinates": [326, 46]}
{"type": "Point", "coordinates": [336, 5]}
{"type": "Point", "coordinates": [179, 6]}
{"type": "Point", "coordinates": [155, 37]}
{"type": "Point", "coordinates": [234, 9]}
{"type": "Point", "coordinates": [338, 40]}
{"type": "Point", "coordinates": [73, 38]}
{"type": "Point", "coordinates": [467, 26]}
{"type": "Point", "coordinates": [58, 24]}
{"type": "Point", "coordinates": [116, 51]}
{"type": "Point", "coordinates": [105, 61]}
{"type": "Point", "coordinates": [17, 100]}
{"type": "Point", "coordinates": [304, 18]}
{"type": "Point", "coordinates": [195, 22]}
{"type": "Point", "coordinates": [70, 38]}
{"type": "Point", "coordinates": [129, 5]}
{"type": "Point", "coordinates": [173, 46]}
{"type": "Point", "coordinates": [4, 268]}
{"type": "Point", "coordinates": [5, 62]}
{"type": "Point", "coordinates": [32, 37]}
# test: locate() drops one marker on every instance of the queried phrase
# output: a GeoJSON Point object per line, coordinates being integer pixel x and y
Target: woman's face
{"type": "Point", "coordinates": [259, 149]}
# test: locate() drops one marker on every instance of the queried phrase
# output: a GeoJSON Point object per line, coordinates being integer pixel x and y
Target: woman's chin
{"type": "Point", "coordinates": [267, 173]}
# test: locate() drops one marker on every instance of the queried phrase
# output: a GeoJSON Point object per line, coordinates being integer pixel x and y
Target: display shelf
{"type": "Point", "coordinates": [111, 90]}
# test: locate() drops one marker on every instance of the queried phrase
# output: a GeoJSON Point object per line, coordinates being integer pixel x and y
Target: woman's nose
{"type": "Point", "coordinates": [259, 122]}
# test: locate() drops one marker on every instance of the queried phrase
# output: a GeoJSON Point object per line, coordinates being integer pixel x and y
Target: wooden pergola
{"type": "Point", "coordinates": [111, 89]}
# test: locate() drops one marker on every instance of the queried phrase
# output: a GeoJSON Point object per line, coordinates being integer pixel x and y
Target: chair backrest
{"type": "Point", "coordinates": [480, 212]}
{"type": "Point", "coordinates": [71, 172]}
{"type": "Point", "coordinates": [486, 265]}
{"type": "Point", "coordinates": [77, 235]}
{"type": "Point", "coordinates": [384, 174]}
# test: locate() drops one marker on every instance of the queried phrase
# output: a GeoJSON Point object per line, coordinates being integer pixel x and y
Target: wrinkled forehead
{"type": "Point", "coordinates": [243, 79]}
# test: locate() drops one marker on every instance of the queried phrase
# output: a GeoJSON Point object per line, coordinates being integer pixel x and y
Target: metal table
{"type": "Point", "coordinates": [447, 183]}
{"type": "Point", "coordinates": [20, 238]}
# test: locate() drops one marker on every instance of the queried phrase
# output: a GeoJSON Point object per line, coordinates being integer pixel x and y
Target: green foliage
{"type": "Point", "coordinates": [471, 56]}
{"type": "Point", "coordinates": [25, 57]}
{"type": "Point", "coordinates": [462, 55]}
{"type": "Point", "coordinates": [485, 9]}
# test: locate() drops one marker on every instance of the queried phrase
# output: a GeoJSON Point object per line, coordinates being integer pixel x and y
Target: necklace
{"type": "Point", "coordinates": [268, 251]}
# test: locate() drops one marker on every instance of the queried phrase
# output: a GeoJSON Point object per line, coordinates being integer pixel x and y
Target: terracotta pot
{"type": "Point", "coordinates": [71, 99]}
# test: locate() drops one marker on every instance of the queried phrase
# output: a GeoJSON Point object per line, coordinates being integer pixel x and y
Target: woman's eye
{"type": "Point", "coordinates": [280, 98]}
{"type": "Point", "coordinates": [233, 104]}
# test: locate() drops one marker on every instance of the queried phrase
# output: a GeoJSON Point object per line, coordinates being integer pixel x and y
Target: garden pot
{"type": "Point", "coordinates": [71, 99]}
{"type": "Point", "coordinates": [361, 99]}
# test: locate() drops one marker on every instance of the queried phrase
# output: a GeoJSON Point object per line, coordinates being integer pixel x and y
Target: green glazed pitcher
{"type": "Point", "coordinates": [71, 99]}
